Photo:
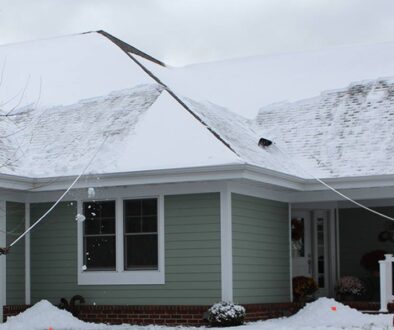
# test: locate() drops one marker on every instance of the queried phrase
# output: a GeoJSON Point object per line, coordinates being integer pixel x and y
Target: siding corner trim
{"type": "Point", "coordinates": [226, 245]}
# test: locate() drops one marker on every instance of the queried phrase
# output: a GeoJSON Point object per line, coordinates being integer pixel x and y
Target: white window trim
{"type": "Point", "coordinates": [121, 276]}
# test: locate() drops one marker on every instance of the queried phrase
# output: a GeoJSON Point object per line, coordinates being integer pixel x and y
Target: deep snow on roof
{"type": "Point", "coordinates": [245, 85]}
{"type": "Point", "coordinates": [143, 128]}
{"type": "Point", "coordinates": [57, 119]}
{"type": "Point", "coordinates": [340, 133]}
{"type": "Point", "coordinates": [64, 70]}
{"type": "Point", "coordinates": [52, 126]}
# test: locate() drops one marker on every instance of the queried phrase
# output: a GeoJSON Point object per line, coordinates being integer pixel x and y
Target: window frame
{"type": "Point", "coordinates": [121, 276]}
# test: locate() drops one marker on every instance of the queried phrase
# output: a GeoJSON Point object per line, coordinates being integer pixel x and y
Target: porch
{"type": "Point", "coordinates": [332, 240]}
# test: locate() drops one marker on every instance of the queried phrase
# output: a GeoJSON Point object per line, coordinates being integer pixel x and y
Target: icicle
{"type": "Point", "coordinates": [91, 192]}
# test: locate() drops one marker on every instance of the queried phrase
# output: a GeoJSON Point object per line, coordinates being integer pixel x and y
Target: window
{"type": "Point", "coordinates": [99, 235]}
{"type": "Point", "coordinates": [121, 241]}
{"type": "Point", "coordinates": [140, 234]}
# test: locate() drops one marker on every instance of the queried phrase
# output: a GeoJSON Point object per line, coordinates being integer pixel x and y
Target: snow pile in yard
{"type": "Point", "coordinates": [319, 315]}
{"type": "Point", "coordinates": [44, 315]}
{"type": "Point", "coordinates": [329, 313]}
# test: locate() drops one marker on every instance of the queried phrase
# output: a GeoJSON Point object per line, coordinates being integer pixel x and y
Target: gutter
{"type": "Point", "coordinates": [251, 173]}
{"type": "Point", "coordinates": [187, 174]}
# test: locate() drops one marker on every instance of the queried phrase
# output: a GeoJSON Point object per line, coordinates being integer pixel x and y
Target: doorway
{"type": "Point", "coordinates": [310, 243]}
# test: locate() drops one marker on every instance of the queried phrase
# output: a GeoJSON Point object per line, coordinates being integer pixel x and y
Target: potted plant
{"type": "Point", "coordinates": [304, 288]}
{"type": "Point", "coordinates": [350, 288]}
{"type": "Point", "coordinates": [370, 261]}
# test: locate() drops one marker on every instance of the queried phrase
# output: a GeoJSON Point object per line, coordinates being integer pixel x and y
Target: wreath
{"type": "Point", "coordinates": [297, 229]}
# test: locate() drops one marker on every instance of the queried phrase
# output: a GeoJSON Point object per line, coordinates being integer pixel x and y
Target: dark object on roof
{"type": "Point", "coordinates": [128, 48]}
{"type": "Point", "coordinates": [4, 250]}
{"type": "Point", "coordinates": [264, 143]}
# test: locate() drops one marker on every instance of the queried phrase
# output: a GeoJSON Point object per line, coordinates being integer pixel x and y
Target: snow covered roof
{"type": "Point", "coordinates": [245, 85]}
{"type": "Point", "coordinates": [64, 70]}
{"type": "Point", "coordinates": [51, 129]}
{"type": "Point", "coordinates": [143, 128]}
{"type": "Point", "coordinates": [340, 133]}
{"type": "Point", "coordinates": [66, 101]}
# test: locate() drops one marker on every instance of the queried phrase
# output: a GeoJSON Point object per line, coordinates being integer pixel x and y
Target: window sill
{"type": "Point", "coordinates": [139, 277]}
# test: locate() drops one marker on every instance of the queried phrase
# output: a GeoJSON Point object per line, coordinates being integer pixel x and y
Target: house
{"type": "Point", "coordinates": [176, 202]}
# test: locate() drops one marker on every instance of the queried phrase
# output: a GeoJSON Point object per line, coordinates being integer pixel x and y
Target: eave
{"type": "Point", "coordinates": [195, 174]}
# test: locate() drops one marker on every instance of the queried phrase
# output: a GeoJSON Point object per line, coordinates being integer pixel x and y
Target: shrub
{"type": "Point", "coordinates": [370, 260]}
{"type": "Point", "coordinates": [303, 287]}
{"type": "Point", "coordinates": [225, 314]}
{"type": "Point", "coordinates": [350, 285]}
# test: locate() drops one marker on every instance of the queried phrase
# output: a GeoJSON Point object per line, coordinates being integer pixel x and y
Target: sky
{"type": "Point", "coordinates": [181, 32]}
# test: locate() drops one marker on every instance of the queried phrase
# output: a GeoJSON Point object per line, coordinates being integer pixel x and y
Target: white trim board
{"type": "Point", "coordinates": [130, 191]}
{"type": "Point", "coordinates": [190, 174]}
{"type": "Point", "coordinates": [226, 245]}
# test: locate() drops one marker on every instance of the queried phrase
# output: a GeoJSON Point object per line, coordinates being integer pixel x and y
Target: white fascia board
{"type": "Point", "coordinates": [206, 173]}
{"type": "Point", "coordinates": [15, 182]}
{"type": "Point", "coordinates": [351, 182]}
{"type": "Point", "coordinates": [193, 174]}
{"type": "Point", "coordinates": [361, 194]}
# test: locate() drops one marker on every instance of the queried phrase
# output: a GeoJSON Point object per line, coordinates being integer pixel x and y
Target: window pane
{"type": "Point", "coordinates": [99, 209]}
{"type": "Point", "coordinates": [141, 252]}
{"type": "Point", "coordinates": [149, 224]}
{"type": "Point", "coordinates": [99, 226]}
{"type": "Point", "coordinates": [132, 225]}
{"type": "Point", "coordinates": [149, 207]}
{"type": "Point", "coordinates": [100, 252]}
{"type": "Point", "coordinates": [100, 218]}
{"type": "Point", "coordinates": [132, 207]}
{"type": "Point", "coordinates": [140, 216]}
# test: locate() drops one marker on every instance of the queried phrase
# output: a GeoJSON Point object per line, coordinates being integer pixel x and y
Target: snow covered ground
{"type": "Point", "coordinates": [323, 314]}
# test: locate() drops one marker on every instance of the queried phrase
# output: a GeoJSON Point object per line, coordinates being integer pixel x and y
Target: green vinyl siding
{"type": "Point", "coordinates": [15, 262]}
{"type": "Point", "coordinates": [261, 269]}
{"type": "Point", "coordinates": [192, 256]}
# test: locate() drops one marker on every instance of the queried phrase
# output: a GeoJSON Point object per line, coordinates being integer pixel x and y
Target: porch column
{"type": "Point", "coordinates": [3, 243]}
{"type": "Point", "coordinates": [386, 287]}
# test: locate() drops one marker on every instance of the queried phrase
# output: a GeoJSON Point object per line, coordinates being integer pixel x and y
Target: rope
{"type": "Point", "coordinates": [332, 188]}
{"type": "Point", "coordinates": [59, 199]}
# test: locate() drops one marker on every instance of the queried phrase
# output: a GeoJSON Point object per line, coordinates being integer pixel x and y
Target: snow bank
{"type": "Point", "coordinates": [43, 316]}
{"type": "Point", "coordinates": [328, 313]}
{"type": "Point", "coordinates": [323, 314]}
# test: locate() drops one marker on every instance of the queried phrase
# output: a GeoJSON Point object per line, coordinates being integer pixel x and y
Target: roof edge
{"type": "Point", "coordinates": [193, 174]}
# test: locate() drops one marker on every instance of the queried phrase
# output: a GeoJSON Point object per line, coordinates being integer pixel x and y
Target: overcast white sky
{"type": "Point", "coordinates": [188, 31]}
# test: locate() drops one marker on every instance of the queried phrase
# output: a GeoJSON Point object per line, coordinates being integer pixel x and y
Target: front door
{"type": "Point", "coordinates": [310, 247]}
